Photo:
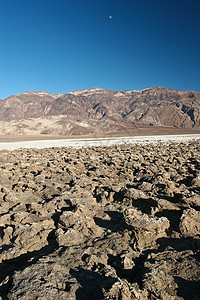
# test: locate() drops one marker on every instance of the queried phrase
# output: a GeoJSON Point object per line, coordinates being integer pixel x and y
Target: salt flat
{"type": "Point", "coordinates": [96, 142]}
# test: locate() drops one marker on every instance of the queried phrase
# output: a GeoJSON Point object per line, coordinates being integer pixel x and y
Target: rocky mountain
{"type": "Point", "coordinates": [97, 110]}
{"type": "Point", "coordinates": [26, 105]}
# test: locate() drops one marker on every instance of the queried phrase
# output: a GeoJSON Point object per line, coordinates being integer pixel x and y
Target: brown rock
{"type": "Point", "coordinates": [169, 272]}
{"type": "Point", "coordinates": [190, 223]}
{"type": "Point", "coordinates": [147, 229]}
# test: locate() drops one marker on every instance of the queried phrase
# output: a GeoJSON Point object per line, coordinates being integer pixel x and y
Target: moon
{"type": "Point", "coordinates": [110, 17]}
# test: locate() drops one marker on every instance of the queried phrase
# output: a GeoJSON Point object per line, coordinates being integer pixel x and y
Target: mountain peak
{"type": "Point", "coordinates": [40, 93]}
{"type": "Point", "coordinates": [87, 91]}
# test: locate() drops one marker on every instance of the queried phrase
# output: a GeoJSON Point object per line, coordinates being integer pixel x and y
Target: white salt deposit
{"type": "Point", "coordinates": [95, 142]}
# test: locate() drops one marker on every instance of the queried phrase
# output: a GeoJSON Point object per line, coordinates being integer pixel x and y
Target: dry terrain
{"type": "Point", "coordinates": [119, 222]}
{"type": "Point", "coordinates": [140, 131]}
{"type": "Point", "coordinates": [99, 112]}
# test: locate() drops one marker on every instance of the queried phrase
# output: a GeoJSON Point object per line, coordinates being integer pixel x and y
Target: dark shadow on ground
{"type": "Point", "coordinates": [91, 284]}
{"type": "Point", "coordinates": [179, 244]}
{"type": "Point", "coordinates": [173, 216]}
{"type": "Point", "coordinates": [145, 205]}
{"type": "Point", "coordinates": [8, 267]}
{"type": "Point", "coordinates": [176, 199]}
{"type": "Point", "coordinates": [189, 290]}
{"type": "Point", "coordinates": [115, 224]}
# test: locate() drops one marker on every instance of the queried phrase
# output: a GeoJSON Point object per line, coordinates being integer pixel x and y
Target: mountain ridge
{"type": "Point", "coordinates": [98, 88]}
{"type": "Point", "coordinates": [95, 110]}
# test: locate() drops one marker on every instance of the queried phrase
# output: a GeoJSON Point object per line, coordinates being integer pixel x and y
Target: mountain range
{"type": "Point", "coordinates": [97, 111]}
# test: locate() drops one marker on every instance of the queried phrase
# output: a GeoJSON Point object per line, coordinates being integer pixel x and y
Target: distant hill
{"type": "Point", "coordinates": [96, 110]}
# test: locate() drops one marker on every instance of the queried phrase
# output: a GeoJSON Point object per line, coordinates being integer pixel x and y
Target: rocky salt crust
{"type": "Point", "coordinates": [116, 222]}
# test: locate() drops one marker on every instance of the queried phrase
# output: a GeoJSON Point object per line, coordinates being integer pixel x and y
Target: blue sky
{"type": "Point", "coordinates": [65, 45]}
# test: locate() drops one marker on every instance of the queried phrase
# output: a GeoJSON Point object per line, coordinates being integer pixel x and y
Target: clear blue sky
{"type": "Point", "coordinates": [64, 45]}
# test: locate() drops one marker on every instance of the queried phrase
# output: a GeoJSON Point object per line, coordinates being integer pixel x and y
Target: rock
{"type": "Point", "coordinates": [5, 220]}
{"type": "Point", "coordinates": [127, 261]}
{"type": "Point", "coordinates": [68, 219]}
{"type": "Point", "coordinates": [196, 182]}
{"type": "Point", "coordinates": [7, 235]}
{"type": "Point", "coordinates": [77, 227]}
{"type": "Point", "coordinates": [192, 201]}
{"type": "Point", "coordinates": [144, 222]}
{"type": "Point", "coordinates": [26, 238]}
{"type": "Point", "coordinates": [169, 272]}
{"type": "Point", "coordinates": [122, 290]}
{"type": "Point", "coordinates": [39, 281]}
{"type": "Point", "coordinates": [134, 194]}
{"type": "Point", "coordinates": [190, 223]}
{"type": "Point", "coordinates": [69, 237]}
{"type": "Point", "coordinates": [146, 186]}
{"type": "Point", "coordinates": [147, 229]}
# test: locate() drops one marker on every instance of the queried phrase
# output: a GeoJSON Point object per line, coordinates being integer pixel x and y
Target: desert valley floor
{"type": "Point", "coordinates": [119, 221]}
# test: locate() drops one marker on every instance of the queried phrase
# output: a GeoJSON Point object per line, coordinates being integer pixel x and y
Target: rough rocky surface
{"type": "Point", "coordinates": [118, 222]}
{"type": "Point", "coordinates": [96, 111]}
